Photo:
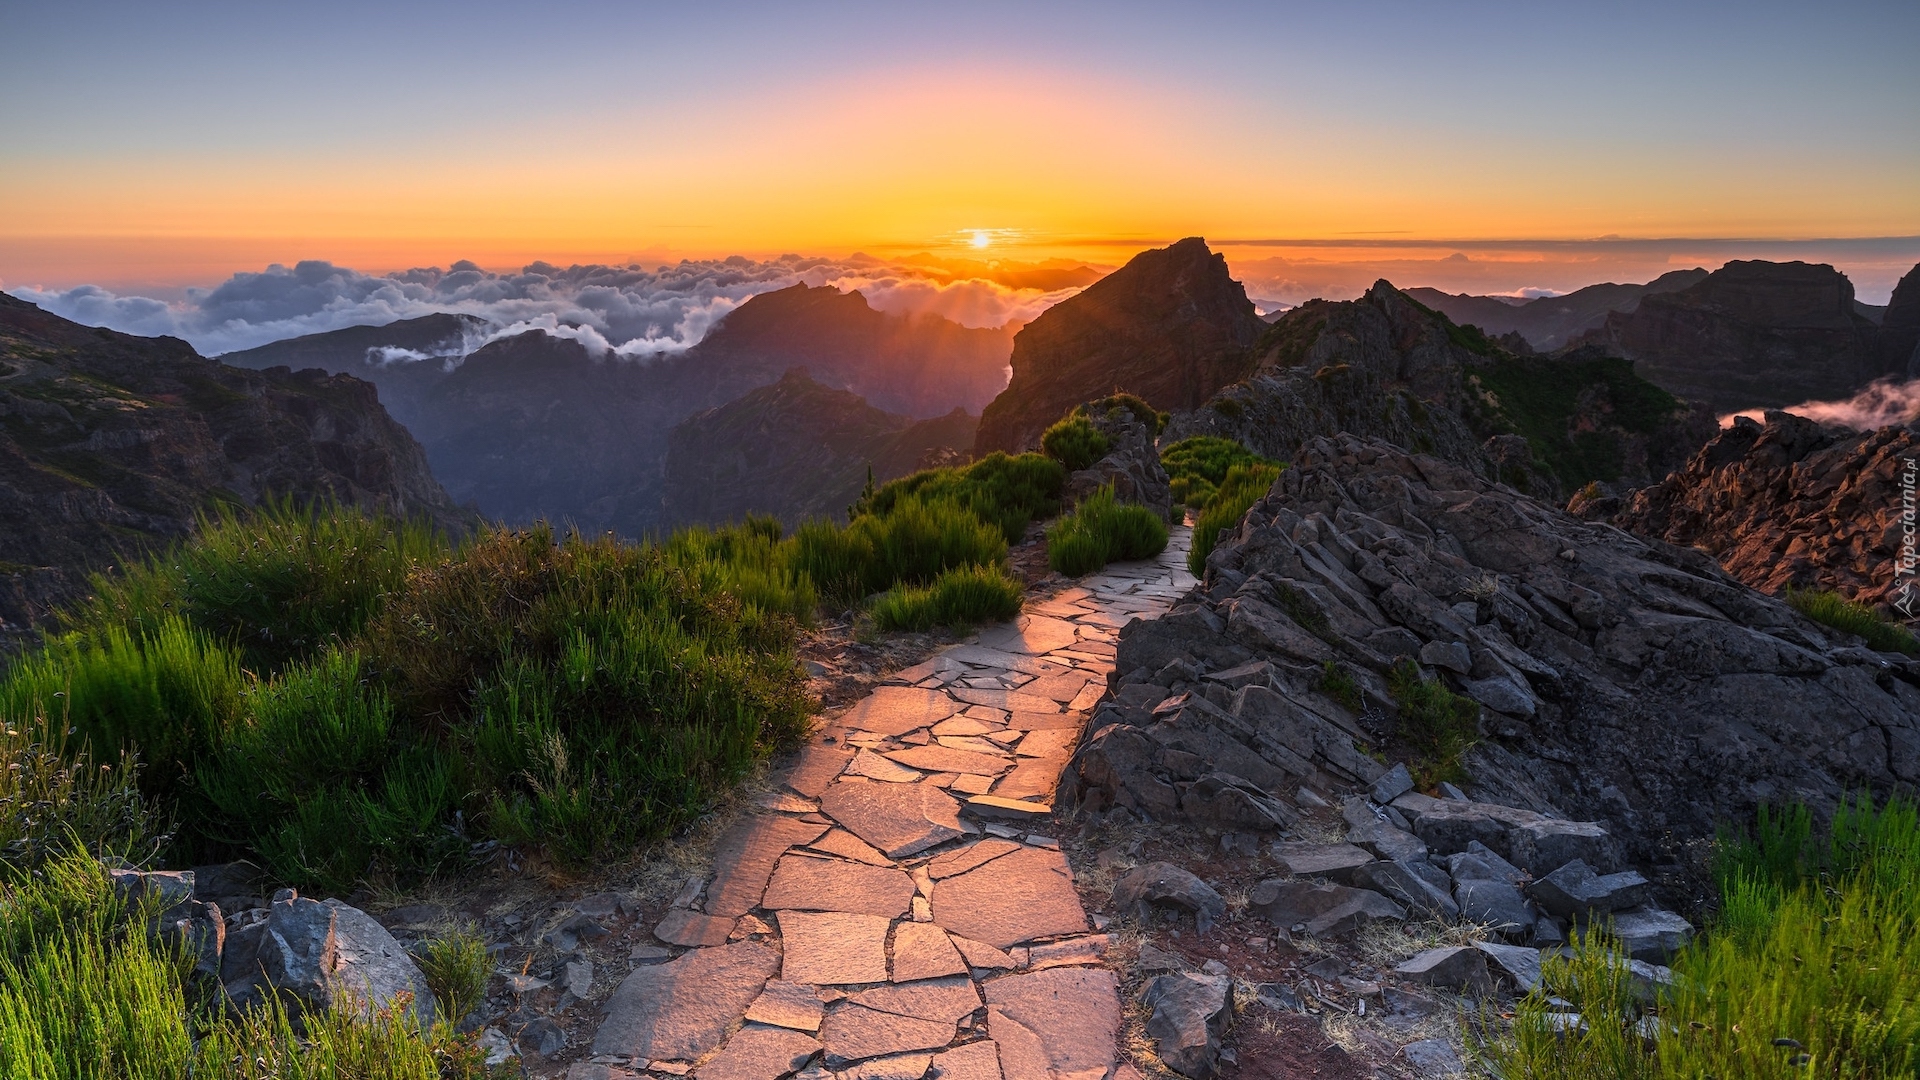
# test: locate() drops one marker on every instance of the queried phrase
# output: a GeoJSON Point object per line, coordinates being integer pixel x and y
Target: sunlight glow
{"type": "Point", "coordinates": [981, 238]}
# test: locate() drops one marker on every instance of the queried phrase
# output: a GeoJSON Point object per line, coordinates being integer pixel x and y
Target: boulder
{"type": "Point", "coordinates": [1496, 905]}
{"type": "Point", "coordinates": [1336, 861]}
{"type": "Point", "coordinates": [1320, 910]}
{"type": "Point", "coordinates": [1519, 964]}
{"type": "Point", "coordinates": [1650, 934]}
{"type": "Point", "coordinates": [1575, 892]}
{"type": "Point", "coordinates": [1225, 801]}
{"type": "Point", "coordinates": [1481, 863]}
{"type": "Point", "coordinates": [1540, 846]}
{"type": "Point", "coordinates": [1168, 886]}
{"type": "Point", "coordinates": [1402, 882]}
{"type": "Point", "coordinates": [1190, 1014]}
{"type": "Point", "coordinates": [314, 955]}
{"type": "Point", "coordinates": [1457, 967]}
{"type": "Point", "coordinates": [1392, 784]}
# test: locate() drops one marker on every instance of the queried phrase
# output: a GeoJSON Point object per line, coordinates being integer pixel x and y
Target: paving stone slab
{"type": "Point", "coordinates": [1033, 778]}
{"type": "Point", "coordinates": [948, 999]}
{"type": "Point", "coordinates": [848, 846]}
{"type": "Point", "coordinates": [833, 947]}
{"type": "Point", "coordinates": [1054, 1024]}
{"type": "Point", "coordinates": [788, 1005]}
{"type": "Point", "coordinates": [1046, 721]}
{"type": "Point", "coordinates": [877, 766]}
{"type": "Point", "coordinates": [974, 1061]}
{"type": "Point", "coordinates": [745, 858]}
{"type": "Point", "coordinates": [896, 710]}
{"type": "Point", "coordinates": [691, 928]}
{"type": "Point", "coordinates": [979, 954]}
{"type": "Point", "coordinates": [759, 1054]}
{"type": "Point", "coordinates": [1031, 634]}
{"type": "Point", "coordinates": [1010, 700]}
{"type": "Point", "coordinates": [805, 883]}
{"type": "Point", "coordinates": [894, 1067]}
{"type": "Point", "coordinates": [851, 1032]}
{"type": "Point", "coordinates": [938, 758]}
{"type": "Point", "coordinates": [922, 951]}
{"type": "Point", "coordinates": [1056, 744]}
{"type": "Point", "coordinates": [681, 1010]}
{"type": "Point", "coordinates": [993, 807]}
{"type": "Point", "coordinates": [899, 819]}
{"type": "Point", "coordinates": [1061, 688]}
{"type": "Point", "coordinates": [1074, 950]}
{"type": "Point", "coordinates": [982, 656]}
{"type": "Point", "coordinates": [960, 860]}
{"type": "Point", "coordinates": [1018, 897]}
{"type": "Point", "coordinates": [962, 726]}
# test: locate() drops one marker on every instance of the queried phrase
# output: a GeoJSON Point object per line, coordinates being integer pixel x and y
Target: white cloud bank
{"type": "Point", "coordinates": [1885, 402]}
{"type": "Point", "coordinates": [628, 311]}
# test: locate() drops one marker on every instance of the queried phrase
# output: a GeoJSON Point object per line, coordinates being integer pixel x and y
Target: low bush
{"type": "Point", "coordinates": [1002, 490]}
{"type": "Point", "coordinates": [1438, 725]}
{"type": "Point", "coordinates": [1240, 488]}
{"type": "Point", "coordinates": [960, 597]}
{"type": "Point", "coordinates": [913, 542]}
{"type": "Point", "coordinates": [1812, 968]}
{"type": "Point", "coordinates": [1155, 420]}
{"type": "Point", "coordinates": [1834, 610]}
{"type": "Point", "coordinates": [1075, 443]}
{"type": "Point", "coordinates": [1197, 466]}
{"type": "Point", "coordinates": [456, 966]}
{"type": "Point", "coordinates": [85, 996]}
{"type": "Point", "coordinates": [55, 801]}
{"type": "Point", "coordinates": [1102, 530]}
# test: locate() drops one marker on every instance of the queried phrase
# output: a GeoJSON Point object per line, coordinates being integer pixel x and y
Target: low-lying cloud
{"type": "Point", "coordinates": [1884, 403]}
{"type": "Point", "coordinates": [626, 311]}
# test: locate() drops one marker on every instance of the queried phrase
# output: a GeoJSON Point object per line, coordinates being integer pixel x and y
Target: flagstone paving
{"type": "Point", "coordinates": [896, 912]}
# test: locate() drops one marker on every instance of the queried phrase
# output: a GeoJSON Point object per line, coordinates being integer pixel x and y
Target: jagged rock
{"type": "Point", "coordinates": [1131, 464]}
{"type": "Point", "coordinates": [1387, 841]}
{"type": "Point", "coordinates": [1793, 503]}
{"type": "Point", "coordinates": [1540, 846]}
{"type": "Point", "coordinates": [1336, 861]}
{"type": "Point", "coordinates": [1549, 322]}
{"type": "Point", "coordinates": [1458, 967]}
{"type": "Point", "coordinates": [1190, 1014]}
{"type": "Point", "coordinates": [1495, 905]}
{"type": "Point", "coordinates": [1399, 880]}
{"type": "Point", "coordinates": [1320, 910]}
{"type": "Point", "coordinates": [316, 954]}
{"type": "Point", "coordinates": [1518, 963]}
{"type": "Point", "coordinates": [1223, 800]}
{"type": "Point", "coordinates": [1171, 326]}
{"type": "Point", "coordinates": [1650, 934]}
{"type": "Point", "coordinates": [1481, 863]}
{"type": "Point", "coordinates": [1574, 891]}
{"type": "Point", "coordinates": [1396, 782]}
{"type": "Point", "coordinates": [1165, 885]}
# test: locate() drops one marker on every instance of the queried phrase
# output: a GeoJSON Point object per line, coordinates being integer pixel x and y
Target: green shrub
{"type": "Point", "coordinates": [913, 542]}
{"type": "Point", "coordinates": [171, 694]}
{"type": "Point", "coordinates": [85, 996]}
{"type": "Point", "coordinates": [960, 597]}
{"type": "Point", "coordinates": [1811, 968]}
{"type": "Point", "coordinates": [1146, 414]}
{"type": "Point", "coordinates": [456, 966]}
{"type": "Point", "coordinates": [1197, 466]}
{"type": "Point", "coordinates": [1339, 684]}
{"type": "Point", "coordinates": [1438, 725]}
{"type": "Point", "coordinates": [55, 801]}
{"type": "Point", "coordinates": [1102, 530]}
{"type": "Point", "coordinates": [749, 561]}
{"type": "Point", "coordinates": [1240, 488]}
{"type": "Point", "coordinates": [277, 582]}
{"type": "Point", "coordinates": [1075, 442]}
{"type": "Point", "coordinates": [1836, 611]}
{"type": "Point", "coordinates": [1007, 491]}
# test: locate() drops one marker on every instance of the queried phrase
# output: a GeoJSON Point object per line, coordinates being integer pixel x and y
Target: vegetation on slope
{"type": "Point", "coordinates": [1102, 530]}
{"type": "Point", "coordinates": [1197, 466]}
{"type": "Point", "coordinates": [1812, 968]}
{"type": "Point", "coordinates": [1240, 488]}
{"type": "Point", "coordinates": [1573, 413]}
{"type": "Point", "coordinates": [1826, 606]}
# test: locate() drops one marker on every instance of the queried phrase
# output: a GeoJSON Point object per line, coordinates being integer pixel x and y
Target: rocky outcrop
{"type": "Point", "coordinates": [1754, 335]}
{"type": "Point", "coordinates": [1790, 504]}
{"type": "Point", "coordinates": [1131, 464]}
{"type": "Point", "coordinates": [1386, 367]}
{"type": "Point", "coordinates": [1170, 326]}
{"type": "Point", "coordinates": [533, 426]}
{"type": "Point", "coordinates": [1620, 681]}
{"type": "Point", "coordinates": [111, 445]}
{"type": "Point", "coordinates": [795, 450]}
{"type": "Point", "coordinates": [1549, 322]}
{"type": "Point", "coordinates": [1900, 328]}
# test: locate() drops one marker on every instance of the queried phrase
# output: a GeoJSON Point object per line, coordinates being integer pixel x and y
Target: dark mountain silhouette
{"type": "Point", "coordinates": [1755, 335]}
{"type": "Point", "coordinates": [1549, 322]}
{"type": "Point", "coordinates": [1171, 326]}
{"type": "Point", "coordinates": [111, 445]}
{"type": "Point", "coordinates": [797, 450]}
{"type": "Point", "coordinates": [532, 426]}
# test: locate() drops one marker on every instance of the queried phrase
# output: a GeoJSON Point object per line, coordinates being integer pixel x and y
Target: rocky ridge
{"type": "Point", "coordinates": [1171, 326]}
{"type": "Point", "coordinates": [111, 445]}
{"type": "Point", "coordinates": [796, 450]}
{"type": "Point", "coordinates": [1620, 681]}
{"type": "Point", "coordinates": [1549, 322]}
{"type": "Point", "coordinates": [1787, 504]}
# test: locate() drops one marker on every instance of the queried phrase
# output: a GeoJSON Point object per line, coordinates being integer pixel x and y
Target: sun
{"type": "Point", "coordinates": [981, 238]}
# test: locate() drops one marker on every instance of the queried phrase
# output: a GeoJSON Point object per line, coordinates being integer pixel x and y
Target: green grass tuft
{"type": "Point", "coordinates": [1834, 610]}
{"type": "Point", "coordinates": [1438, 725]}
{"type": "Point", "coordinates": [1075, 443]}
{"type": "Point", "coordinates": [456, 967]}
{"type": "Point", "coordinates": [1339, 684]}
{"type": "Point", "coordinates": [1196, 467]}
{"type": "Point", "coordinates": [1240, 488]}
{"type": "Point", "coordinates": [1102, 530]}
{"type": "Point", "coordinates": [960, 597]}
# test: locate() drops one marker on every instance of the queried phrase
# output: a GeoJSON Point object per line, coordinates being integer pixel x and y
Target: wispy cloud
{"type": "Point", "coordinates": [1884, 403]}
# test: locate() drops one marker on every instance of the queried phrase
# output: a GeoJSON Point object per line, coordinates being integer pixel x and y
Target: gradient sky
{"type": "Point", "coordinates": [159, 145]}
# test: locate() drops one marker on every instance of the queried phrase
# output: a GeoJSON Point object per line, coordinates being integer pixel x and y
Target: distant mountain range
{"type": "Point", "coordinates": [532, 426]}
{"type": "Point", "coordinates": [1548, 322]}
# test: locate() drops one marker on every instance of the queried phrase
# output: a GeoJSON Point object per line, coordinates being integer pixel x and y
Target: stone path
{"type": "Point", "coordinates": [896, 913]}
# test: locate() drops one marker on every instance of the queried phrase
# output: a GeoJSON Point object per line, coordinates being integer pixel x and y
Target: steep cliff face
{"type": "Point", "coordinates": [1786, 504]}
{"type": "Point", "coordinates": [795, 450]}
{"type": "Point", "coordinates": [1386, 367]}
{"type": "Point", "coordinates": [1754, 335]}
{"type": "Point", "coordinates": [1549, 322]}
{"type": "Point", "coordinates": [1170, 326]}
{"type": "Point", "coordinates": [533, 427]}
{"type": "Point", "coordinates": [1900, 328]}
{"type": "Point", "coordinates": [111, 444]}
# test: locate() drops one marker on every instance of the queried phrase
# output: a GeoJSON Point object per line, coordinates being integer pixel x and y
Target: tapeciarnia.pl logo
{"type": "Point", "coordinates": [1903, 570]}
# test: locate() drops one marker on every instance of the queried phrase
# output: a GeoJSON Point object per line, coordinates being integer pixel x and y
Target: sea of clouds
{"type": "Point", "coordinates": [628, 312]}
